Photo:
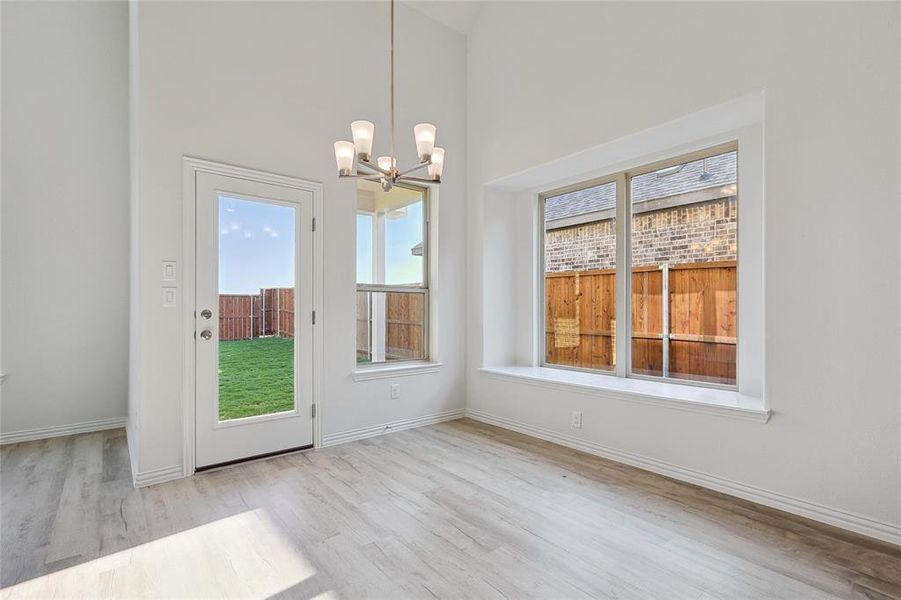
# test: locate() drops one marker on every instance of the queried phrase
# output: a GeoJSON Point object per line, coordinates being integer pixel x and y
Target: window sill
{"type": "Point", "coordinates": [710, 401]}
{"type": "Point", "coordinates": [386, 371]}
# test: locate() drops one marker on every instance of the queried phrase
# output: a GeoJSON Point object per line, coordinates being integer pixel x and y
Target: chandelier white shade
{"type": "Point", "coordinates": [363, 132]}
{"type": "Point", "coordinates": [385, 170]}
{"type": "Point", "coordinates": [344, 155]}
{"type": "Point", "coordinates": [436, 165]}
{"type": "Point", "coordinates": [425, 140]}
{"type": "Point", "coordinates": [386, 163]}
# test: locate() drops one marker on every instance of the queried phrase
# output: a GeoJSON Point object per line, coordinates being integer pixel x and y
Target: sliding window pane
{"type": "Point", "coordinates": [580, 278]}
{"type": "Point", "coordinates": [390, 235]}
{"type": "Point", "coordinates": [684, 250]}
{"type": "Point", "coordinates": [390, 326]}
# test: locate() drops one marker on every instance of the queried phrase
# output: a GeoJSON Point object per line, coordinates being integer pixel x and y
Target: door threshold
{"type": "Point", "coordinates": [250, 459]}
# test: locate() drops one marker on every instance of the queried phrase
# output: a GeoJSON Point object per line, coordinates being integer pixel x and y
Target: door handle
{"type": "Point", "coordinates": [206, 313]}
{"type": "Point", "coordinates": [206, 334]}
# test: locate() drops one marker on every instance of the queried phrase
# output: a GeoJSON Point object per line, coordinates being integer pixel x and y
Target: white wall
{"type": "Point", "coordinates": [64, 213]}
{"type": "Point", "coordinates": [593, 72]}
{"type": "Point", "coordinates": [271, 86]}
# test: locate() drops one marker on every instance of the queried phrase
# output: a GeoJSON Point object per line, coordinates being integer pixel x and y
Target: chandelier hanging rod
{"type": "Point", "coordinates": [391, 78]}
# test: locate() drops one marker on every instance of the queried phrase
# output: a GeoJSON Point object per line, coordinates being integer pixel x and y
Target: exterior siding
{"type": "Point", "coordinates": [693, 233]}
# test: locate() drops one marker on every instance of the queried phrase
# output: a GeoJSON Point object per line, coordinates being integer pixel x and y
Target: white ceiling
{"type": "Point", "coordinates": [459, 15]}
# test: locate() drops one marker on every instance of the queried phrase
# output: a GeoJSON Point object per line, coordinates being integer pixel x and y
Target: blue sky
{"type": "Point", "coordinates": [403, 230]}
{"type": "Point", "coordinates": [256, 246]}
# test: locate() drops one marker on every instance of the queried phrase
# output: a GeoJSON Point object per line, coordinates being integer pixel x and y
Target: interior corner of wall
{"type": "Point", "coordinates": [132, 443]}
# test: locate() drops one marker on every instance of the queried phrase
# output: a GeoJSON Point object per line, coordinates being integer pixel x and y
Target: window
{"type": "Point", "coordinates": [679, 224]}
{"type": "Point", "coordinates": [580, 277]}
{"type": "Point", "coordinates": [392, 274]}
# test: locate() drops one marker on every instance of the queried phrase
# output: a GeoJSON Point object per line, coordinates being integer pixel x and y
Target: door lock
{"type": "Point", "coordinates": [206, 313]}
{"type": "Point", "coordinates": [206, 334]}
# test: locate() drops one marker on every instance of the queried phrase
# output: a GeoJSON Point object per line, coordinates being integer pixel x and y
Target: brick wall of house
{"type": "Point", "coordinates": [693, 233]}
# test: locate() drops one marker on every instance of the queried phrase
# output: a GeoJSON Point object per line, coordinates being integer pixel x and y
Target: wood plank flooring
{"type": "Point", "coordinates": [456, 510]}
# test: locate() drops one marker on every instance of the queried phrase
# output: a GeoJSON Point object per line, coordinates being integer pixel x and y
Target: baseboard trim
{"type": "Point", "coordinates": [42, 433]}
{"type": "Point", "coordinates": [343, 437]}
{"type": "Point", "coordinates": [885, 532]}
{"type": "Point", "coordinates": [130, 441]}
{"type": "Point", "coordinates": [154, 476]}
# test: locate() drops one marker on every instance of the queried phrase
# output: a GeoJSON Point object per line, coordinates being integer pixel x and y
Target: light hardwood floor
{"type": "Point", "coordinates": [457, 510]}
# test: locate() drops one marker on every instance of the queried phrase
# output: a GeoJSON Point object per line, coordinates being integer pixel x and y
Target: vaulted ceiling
{"type": "Point", "coordinates": [459, 15]}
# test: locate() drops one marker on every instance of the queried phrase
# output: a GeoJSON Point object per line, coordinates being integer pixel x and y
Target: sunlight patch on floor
{"type": "Point", "coordinates": [242, 556]}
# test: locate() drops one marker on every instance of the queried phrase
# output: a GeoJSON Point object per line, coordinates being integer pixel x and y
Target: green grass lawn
{"type": "Point", "coordinates": [256, 377]}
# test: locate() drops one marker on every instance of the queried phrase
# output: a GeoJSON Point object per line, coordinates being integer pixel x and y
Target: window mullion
{"type": "Point", "coordinates": [623, 276]}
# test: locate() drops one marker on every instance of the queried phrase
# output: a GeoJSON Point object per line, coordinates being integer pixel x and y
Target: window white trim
{"type": "Point", "coordinates": [723, 403]}
{"type": "Point", "coordinates": [429, 288]}
{"type": "Point", "coordinates": [394, 369]}
{"type": "Point", "coordinates": [623, 266]}
{"type": "Point", "coordinates": [741, 121]}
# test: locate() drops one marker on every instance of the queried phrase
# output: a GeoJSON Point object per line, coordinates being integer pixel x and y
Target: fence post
{"type": "Point", "coordinates": [664, 304]}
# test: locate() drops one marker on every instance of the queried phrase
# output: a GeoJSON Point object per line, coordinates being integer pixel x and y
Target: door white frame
{"type": "Point", "coordinates": [190, 168]}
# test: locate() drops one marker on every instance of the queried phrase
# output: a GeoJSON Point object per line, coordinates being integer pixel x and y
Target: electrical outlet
{"type": "Point", "coordinates": [395, 391]}
{"type": "Point", "coordinates": [577, 419]}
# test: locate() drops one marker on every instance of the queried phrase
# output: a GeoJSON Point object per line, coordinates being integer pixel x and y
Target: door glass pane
{"type": "Point", "coordinates": [580, 278]}
{"type": "Point", "coordinates": [256, 308]}
{"type": "Point", "coordinates": [684, 251]}
{"type": "Point", "coordinates": [390, 326]}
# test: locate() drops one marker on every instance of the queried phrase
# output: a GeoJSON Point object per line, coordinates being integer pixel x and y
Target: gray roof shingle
{"type": "Point", "coordinates": [722, 170]}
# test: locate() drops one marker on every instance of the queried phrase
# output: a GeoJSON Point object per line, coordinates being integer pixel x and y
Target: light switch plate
{"type": "Point", "coordinates": [168, 270]}
{"type": "Point", "coordinates": [168, 297]}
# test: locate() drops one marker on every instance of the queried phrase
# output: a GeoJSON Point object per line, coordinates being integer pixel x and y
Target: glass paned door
{"type": "Point", "coordinates": [253, 350]}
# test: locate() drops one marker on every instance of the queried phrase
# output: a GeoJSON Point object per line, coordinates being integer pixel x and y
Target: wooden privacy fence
{"type": "Point", "coordinates": [404, 321]}
{"type": "Point", "coordinates": [247, 316]}
{"type": "Point", "coordinates": [271, 312]}
{"type": "Point", "coordinates": [683, 320]}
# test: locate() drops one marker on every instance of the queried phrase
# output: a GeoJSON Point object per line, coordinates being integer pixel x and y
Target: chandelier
{"type": "Point", "coordinates": [385, 170]}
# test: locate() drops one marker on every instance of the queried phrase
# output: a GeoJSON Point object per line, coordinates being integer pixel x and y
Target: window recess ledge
{"type": "Point", "coordinates": [386, 371]}
{"type": "Point", "coordinates": [724, 403]}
